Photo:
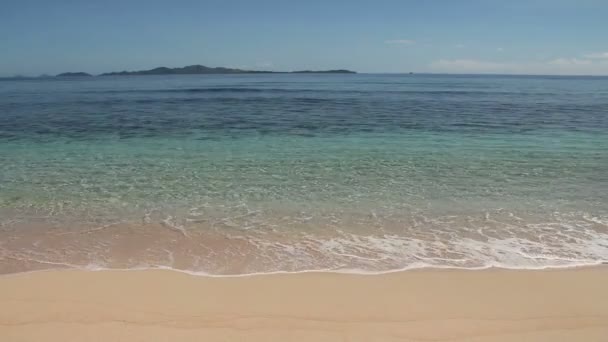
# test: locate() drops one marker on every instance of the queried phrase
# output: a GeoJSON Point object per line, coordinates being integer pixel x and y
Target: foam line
{"type": "Point", "coordinates": [93, 268]}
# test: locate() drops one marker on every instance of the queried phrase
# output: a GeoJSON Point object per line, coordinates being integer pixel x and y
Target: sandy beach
{"type": "Point", "coordinates": [304, 171]}
{"type": "Point", "coordinates": [426, 305]}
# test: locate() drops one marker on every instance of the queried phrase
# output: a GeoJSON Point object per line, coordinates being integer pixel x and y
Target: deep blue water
{"type": "Point", "coordinates": [215, 107]}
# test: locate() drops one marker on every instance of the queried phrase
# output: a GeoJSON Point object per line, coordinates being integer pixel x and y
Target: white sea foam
{"type": "Point", "coordinates": [353, 271]}
{"type": "Point", "coordinates": [487, 241]}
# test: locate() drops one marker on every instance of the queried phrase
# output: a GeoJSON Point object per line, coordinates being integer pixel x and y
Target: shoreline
{"type": "Point", "coordinates": [355, 272]}
{"type": "Point", "coordinates": [426, 304]}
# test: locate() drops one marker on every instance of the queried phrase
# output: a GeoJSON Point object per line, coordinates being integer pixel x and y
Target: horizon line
{"type": "Point", "coordinates": [256, 72]}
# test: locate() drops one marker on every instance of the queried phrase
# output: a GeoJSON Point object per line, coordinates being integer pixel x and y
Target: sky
{"type": "Point", "coordinates": [441, 36]}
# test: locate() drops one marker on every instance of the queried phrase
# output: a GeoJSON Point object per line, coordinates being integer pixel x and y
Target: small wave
{"type": "Point", "coordinates": [484, 92]}
{"type": "Point", "coordinates": [233, 252]}
{"type": "Point", "coordinates": [347, 271]}
{"type": "Point", "coordinates": [201, 90]}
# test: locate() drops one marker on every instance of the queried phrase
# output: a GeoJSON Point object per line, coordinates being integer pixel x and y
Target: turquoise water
{"type": "Point", "coordinates": [261, 173]}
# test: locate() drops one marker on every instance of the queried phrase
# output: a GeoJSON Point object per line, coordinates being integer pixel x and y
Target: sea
{"type": "Point", "coordinates": [261, 173]}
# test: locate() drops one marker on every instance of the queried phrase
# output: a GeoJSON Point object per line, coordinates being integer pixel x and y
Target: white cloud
{"type": "Point", "coordinates": [400, 42]}
{"type": "Point", "coordinates": [570, 61]}
{"type": "Point", "coordinates": [597, 55]}
{"type": "Point", "coordinates": [264, 64]}
{"type": "Point", "coordinates": [467, 65]}
{"type": "Point", "coordinates": [558, 66]}
{"type": "Point", "coordinates": [459, 46]}
{"type": "Point", "coordinates": [500, 49]}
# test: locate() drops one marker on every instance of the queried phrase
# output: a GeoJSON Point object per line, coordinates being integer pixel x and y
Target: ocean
{"type": "Point", "coordinates": [242, 174]}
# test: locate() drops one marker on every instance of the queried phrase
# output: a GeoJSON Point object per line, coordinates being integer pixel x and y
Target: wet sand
{"type": "Point", "coordinates": [424, 305]}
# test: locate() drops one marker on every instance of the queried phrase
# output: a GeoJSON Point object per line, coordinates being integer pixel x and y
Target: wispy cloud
{"type": "Point", "coordinates": [570, 61]}
{"type": "Point", "coordinates": [597, 55]}
{"type": "Point", "coordinates": [400, 41]}
{"type": "Point", "coordinates": [459, 46]}
{"type": "Point", "coordinates": [500, 49]}
{"type": "Point", "coordinates": [264, 64]}
{"type": "Point", "coordinates": [467, 65]}
{"type": "Point", "coordinates": [557, 66]}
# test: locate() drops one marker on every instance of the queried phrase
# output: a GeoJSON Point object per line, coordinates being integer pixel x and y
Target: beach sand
{"type": "Point", "coordinates": [423, 305]}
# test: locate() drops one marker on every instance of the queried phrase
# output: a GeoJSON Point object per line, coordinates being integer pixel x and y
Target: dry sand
{"type": "Point", "coordinates": [430, 305]}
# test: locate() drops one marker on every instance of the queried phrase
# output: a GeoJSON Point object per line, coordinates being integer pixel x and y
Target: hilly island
{"type": "Point", "coordinates": [187, 70]}
{"type": "Point", "coordinates": [201, 69]}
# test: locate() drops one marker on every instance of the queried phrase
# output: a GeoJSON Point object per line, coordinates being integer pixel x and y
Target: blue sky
{"type": "Point", "coordinates": [467, 36]}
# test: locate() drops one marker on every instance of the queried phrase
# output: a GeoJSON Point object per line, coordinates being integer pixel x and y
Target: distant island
{"type": "Point", "coordinates": [187, 70]}
{"type": "Point", "coordinates": [201, 69]}
{"type": "Point", "coordinates": [74, 74]}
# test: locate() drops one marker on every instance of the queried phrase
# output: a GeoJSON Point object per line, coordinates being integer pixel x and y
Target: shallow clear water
{"type": "Point", "coordinates": [259, 173]}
